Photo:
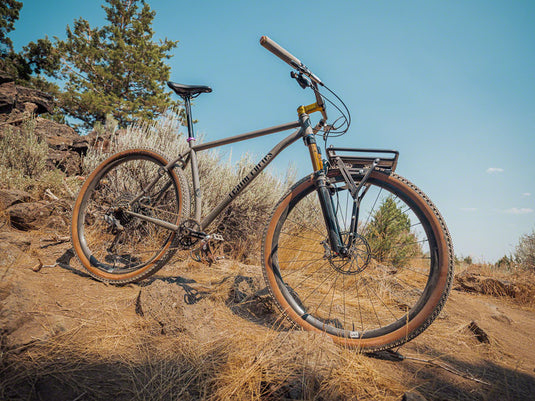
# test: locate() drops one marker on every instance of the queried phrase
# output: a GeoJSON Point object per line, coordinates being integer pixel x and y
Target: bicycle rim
{"type": "Point", "coordinates": [113, 245]}
{"type": "Point", "coordinates": [392, 285]}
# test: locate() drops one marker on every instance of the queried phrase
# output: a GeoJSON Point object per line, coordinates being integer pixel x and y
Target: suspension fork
{"type": "Point", "coordinates": [329, 215]}
{"type": "Point", "coordinates": [320, 181]}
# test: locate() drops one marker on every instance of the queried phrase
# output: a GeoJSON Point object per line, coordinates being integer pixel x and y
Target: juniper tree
{"type": "Point", "coordinates": [27, 65]}
{"type": "Point", "coordinates": [9, 13]}
{"type": "Point", "coordinates": [389, 234]}
{"type": "Point", "coordinates": [117, 69]}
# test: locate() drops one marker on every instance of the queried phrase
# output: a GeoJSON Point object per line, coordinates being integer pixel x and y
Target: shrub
{"type": "Point", "coordinates": [23, 157]}
{"type": "Point", "coordinates": [525, 251]}
{"type": "Point", "coordinates": [505, 262]}
{"type": "Point", "coordinates": [23, 151]}
{"type": "Point", "coordinates": [389, 234]}
{"type": "Point", "coordinates": [241, 223]}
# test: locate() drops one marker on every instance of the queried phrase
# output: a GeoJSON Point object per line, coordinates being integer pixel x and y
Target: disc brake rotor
{"type": "Point", "coordinates": [357, 259]}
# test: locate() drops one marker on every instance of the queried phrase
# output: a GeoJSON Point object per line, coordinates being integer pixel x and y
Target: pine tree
{"type": "Point", "coordinates": [117, 69]}
{"type": "Point", "coordinates": [389, 235]}
{"type": "Point", "coordinates": [9, 13]}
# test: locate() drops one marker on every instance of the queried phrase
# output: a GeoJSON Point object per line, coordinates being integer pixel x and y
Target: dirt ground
{"type": "Point", "coordinates": [209, 332]}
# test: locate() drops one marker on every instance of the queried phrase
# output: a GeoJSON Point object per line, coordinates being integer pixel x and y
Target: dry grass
{"type": "Point", "coordinates": [235, 362]}
{"type": "Point", "coordinates": [514, 283]}
{"type": "Point", "coordinates": [98, 347]}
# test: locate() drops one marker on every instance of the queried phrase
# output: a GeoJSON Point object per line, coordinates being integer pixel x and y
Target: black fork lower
{"type": "Point", "coordinates": [329, 215]}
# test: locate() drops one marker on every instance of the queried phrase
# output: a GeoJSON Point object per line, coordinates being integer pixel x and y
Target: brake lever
{"type": "Point", "coordinates": [303, 81]}
{"type": "Point", "coordinates": [303, 69]}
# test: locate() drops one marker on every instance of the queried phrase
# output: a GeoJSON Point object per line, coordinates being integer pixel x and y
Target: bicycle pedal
{"type": "Point", "coordinates": [206, 253]}
{"type": "Point", "coordinates": [216, 237]}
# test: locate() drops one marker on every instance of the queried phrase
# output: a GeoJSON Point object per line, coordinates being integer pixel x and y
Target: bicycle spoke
{"type": "Point", "coordinates": [306, 277]}
{"type": "Point", "coordinates": [298, 236]}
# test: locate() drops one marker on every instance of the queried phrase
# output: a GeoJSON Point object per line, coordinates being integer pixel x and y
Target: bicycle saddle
{"type": "Point", "coordinates": [188, 90]}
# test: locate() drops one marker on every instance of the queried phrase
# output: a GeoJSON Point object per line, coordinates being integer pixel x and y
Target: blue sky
{"type": "Point", "coordinates": [450, 84]}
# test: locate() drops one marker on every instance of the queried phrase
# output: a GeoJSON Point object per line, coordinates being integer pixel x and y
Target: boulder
{"type": "Point", "coordinates": [30, 215]}
{"type": "Point", "coordinates": [10, 197]}
{"type": "Point", "coordinates": [17, 101]}
{"type": "Point", "coordinates": [8, 94]}
{"type": "Point", "coordinates": [42, 100]}
{"type": "Point", "coordinates": [68, 161]}
{"type": "Point", "coordinates": [58, 136]}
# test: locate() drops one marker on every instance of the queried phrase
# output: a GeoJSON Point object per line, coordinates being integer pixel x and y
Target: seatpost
{"type": "Point", "coordinates": [189, 120]}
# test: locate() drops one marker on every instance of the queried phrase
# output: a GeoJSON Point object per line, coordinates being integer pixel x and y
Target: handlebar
{"type": "Point", "coordinates": [280, 52]}
{"type": "Point", "coordinates": [288, 57]}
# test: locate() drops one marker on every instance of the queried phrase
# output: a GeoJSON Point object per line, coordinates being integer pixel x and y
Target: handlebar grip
{"type": "Point", "coordinates": [280, 52]}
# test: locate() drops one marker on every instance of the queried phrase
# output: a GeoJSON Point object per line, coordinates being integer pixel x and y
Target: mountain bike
{"type": "Point", "coordinates": [352, 250]}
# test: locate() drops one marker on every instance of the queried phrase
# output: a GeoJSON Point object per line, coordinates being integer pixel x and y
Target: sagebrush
{"type": "Point", "coordinates": [23, 163]}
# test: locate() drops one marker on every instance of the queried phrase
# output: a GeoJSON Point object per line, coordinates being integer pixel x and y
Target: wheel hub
{"type": "Point", "coordinates": [353, 259]}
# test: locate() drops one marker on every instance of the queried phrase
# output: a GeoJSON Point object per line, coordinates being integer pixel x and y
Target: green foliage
{"type": "Point", "coordinates": [9, 13]}
{"type": "Point", "coordinates": [27, 66]}
{"type": "Point", "coordinates": [117, 69]}
{"type": "Point", "coordinates": [389, 235]}
{"type": "Point", "coordinates": [505, 262]}
{"type": "Point", "coordinates": [525, 251]}
{"type": "Point", "coordinates": [34, 59]}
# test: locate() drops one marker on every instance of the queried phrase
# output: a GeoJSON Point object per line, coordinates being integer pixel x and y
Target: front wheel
{"type": "Point", "coordinates": [114, 245]}
{"type": "Point", "coordinates": [389, 284]}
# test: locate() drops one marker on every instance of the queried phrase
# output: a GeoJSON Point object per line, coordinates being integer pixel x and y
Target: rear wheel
{"type": "Point", "coordinates": [114, 245]}
{"type": "Point", "coordinates": [390, 284]}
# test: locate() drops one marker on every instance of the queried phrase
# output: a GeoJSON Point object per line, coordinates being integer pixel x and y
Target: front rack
{"type": "Point", "coordinates": [388, 159]}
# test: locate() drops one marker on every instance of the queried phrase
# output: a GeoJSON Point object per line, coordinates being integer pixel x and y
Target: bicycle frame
{"type": "Point", "coordinates": [304, 131]}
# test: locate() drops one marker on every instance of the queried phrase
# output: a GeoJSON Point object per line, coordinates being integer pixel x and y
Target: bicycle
{"type": "Point", "coordinates": [352, 249]}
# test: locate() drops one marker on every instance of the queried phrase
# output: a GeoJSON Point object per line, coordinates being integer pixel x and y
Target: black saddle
{"type": "Point", "coordinates": [188, 90]}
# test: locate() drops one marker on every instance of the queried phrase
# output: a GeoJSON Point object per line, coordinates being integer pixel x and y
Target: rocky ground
{"type": "Point", "coordinates": [210, 332]}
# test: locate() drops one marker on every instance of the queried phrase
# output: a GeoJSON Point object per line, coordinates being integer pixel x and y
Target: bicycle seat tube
{"type": "Point", "coordinates": [325, 199]}
{"type": "Point", "coordinates": [193, 158]}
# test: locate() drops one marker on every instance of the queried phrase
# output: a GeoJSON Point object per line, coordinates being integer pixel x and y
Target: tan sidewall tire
{"type": "Point", "coordinates": [436, 299]}
{"type": "Point", "coordinates": [145, 270]}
